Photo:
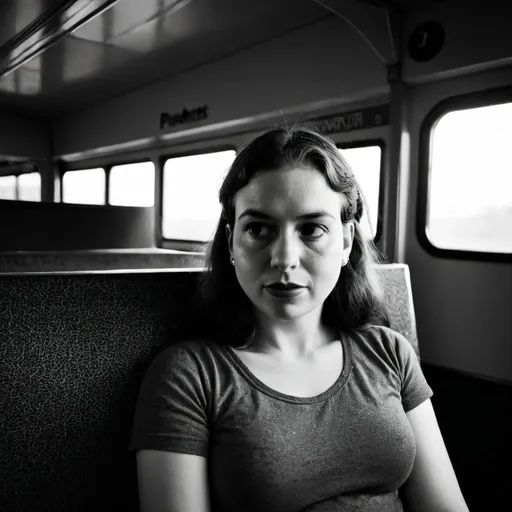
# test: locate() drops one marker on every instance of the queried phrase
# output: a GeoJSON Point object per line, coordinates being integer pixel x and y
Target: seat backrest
{"type": "Point", "coordinates": [396, 281]}
{"type": "Point", "coordinates": [73, 351]}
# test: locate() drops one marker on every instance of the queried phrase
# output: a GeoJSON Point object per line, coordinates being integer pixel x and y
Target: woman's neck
{"type": "Point", "coordinates": [292, 339]}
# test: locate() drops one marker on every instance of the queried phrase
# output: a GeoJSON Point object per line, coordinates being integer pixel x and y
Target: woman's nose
{"type": "Point", "coordinates": [285, 252]}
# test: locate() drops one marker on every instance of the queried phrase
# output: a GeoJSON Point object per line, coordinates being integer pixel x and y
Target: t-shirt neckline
{"type": "Point", "coordinates": [244, 370]}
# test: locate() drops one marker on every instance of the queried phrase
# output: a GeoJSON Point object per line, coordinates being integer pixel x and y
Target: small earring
{"type": "Point", "coordinates": [232, 261]}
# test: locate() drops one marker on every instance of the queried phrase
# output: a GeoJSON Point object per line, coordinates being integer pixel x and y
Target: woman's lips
{"type": "Point", "coordinates": [283, 291]}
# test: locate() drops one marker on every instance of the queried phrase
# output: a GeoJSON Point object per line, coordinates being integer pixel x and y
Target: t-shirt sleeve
{"type": "Point", "coordinates": [415, 388]}
{"type": "Point", "coordinates": [171, 411]}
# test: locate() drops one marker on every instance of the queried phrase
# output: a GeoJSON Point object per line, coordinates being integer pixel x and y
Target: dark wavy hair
{"type": "Point", "coordinates": [356, 299]}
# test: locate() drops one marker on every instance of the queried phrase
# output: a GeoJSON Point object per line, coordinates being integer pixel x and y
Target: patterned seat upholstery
{"type": "Point", "coordinates": [396, 281]}
{"type": "Point", "coordinates": [73, 351]}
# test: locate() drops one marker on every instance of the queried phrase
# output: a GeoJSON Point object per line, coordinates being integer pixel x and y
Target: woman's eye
{"type": "Point", "coordinates": [258, 229]}
{"type": "Point", "coordinates": [312, 230]}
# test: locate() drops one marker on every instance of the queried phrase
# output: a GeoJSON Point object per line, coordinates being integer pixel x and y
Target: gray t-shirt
{"type": "Point", "coordinates": [349, 448]}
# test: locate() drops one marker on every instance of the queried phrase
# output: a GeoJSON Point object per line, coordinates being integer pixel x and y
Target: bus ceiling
{"type": "Point", "coordinates": [57, 55]}
{"type": "Point", "coordinates": [29, 28]}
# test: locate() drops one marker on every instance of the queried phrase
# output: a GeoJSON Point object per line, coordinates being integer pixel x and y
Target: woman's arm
{"type": "Point", "coordinates": [172, 482]}
{"type": "Point", "coordinates": [432, 485]}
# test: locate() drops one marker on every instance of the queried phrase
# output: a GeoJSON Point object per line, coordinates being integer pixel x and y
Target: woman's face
{"type": "Point", "coordinates": [288, 241]}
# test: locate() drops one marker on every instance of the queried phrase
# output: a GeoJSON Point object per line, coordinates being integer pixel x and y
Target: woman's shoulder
{"type": "Point", "coordinates": [383, 338]}
{"type": "Point", "coordinates": [198, 350]}
{"type": "Point", "coordinates": [200, 353]}
{"type": "Point", "coordinates": [378, 331]}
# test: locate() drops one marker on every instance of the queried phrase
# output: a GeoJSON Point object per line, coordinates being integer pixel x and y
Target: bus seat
{"type": "Point", "coordinates": [396, 283]}
{"type": "Point", "coordinates": [73, 351]}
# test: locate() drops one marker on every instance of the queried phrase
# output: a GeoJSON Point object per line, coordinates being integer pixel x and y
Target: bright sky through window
{"type": "Point", "coordinates": [470, 190]}
{"type": "Point", "coordinates": [132, 184]}
{"type": "Point", "coordinates": [84, 187]}
{"type": "Point", "coordinates": [365, 163]}
{"type": "Point", "coordinates": [29, 186]}
{"type": "Point", "coordinates": [191, 206]}
{"type": "Point", "coordinates": [8, 187]}
{"type": "Point", "coordinates": [24, 187]}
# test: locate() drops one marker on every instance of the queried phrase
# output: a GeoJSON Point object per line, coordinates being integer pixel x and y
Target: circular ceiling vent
{"type": "Point", "coordinates": [426, 41]}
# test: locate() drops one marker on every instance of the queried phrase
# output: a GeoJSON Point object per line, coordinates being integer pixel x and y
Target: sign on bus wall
{"type": "Point", "coordinates": [362, 119]}
{"type": "Point", "coordinates": [370, 117]}
{"type": "Point", "coordinates": [184, 117]}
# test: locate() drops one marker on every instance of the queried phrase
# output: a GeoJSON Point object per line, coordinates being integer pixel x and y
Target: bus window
{"type": "Point", "coordinates": [365, 163]}
{"type": "Point", "coordinates": [29, 187]}
{"type": "Point", "coordinates": [469, 204]}
{"type": "Point", "coordinates": [25, 187]}
{"type": "Point", "coordinates": [8, 187]}
{"type": "Point", "coordinates": [85, 186]}
{"type": "Point", "coordinates": [190, 206]}
{"type": "Point", "coordinates": [132, 184]}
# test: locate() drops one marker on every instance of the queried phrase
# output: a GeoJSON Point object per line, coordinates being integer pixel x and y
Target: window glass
{"type": "Point", "coordinates": [8, 187]}
{"type": "Point", "coordinates": [29, 187]}
{"type": "Point", "coordinates": [470, 182]}
{"type": "Point", "coordinates": [191, 206]}
{"type": "Point", "coordinates": [365, 163]}
{"type": "Point", "coordinates": [84, 187]}
{"type": "Point", "coordinates": [132, 184]}
{"type": "Point", "coordinates": [57, 191]}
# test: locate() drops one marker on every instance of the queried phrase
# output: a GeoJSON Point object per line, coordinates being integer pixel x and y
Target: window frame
{"type": "Point", "coordinates": [486, 98]}
{"type": "Point", "coordinates": [380, 206]}
{"type": "Point", "coordinates": [176, 244]}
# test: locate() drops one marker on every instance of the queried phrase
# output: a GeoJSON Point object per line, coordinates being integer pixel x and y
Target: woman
{"type": "Point", "coordinates": [298, 401]}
